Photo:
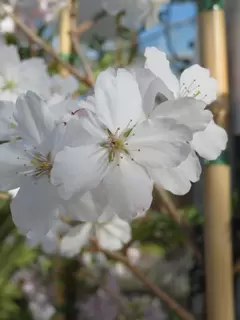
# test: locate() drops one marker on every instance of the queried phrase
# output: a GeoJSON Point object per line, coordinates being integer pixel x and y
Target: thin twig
{"type": "Point", "coordinates": [85, 26]}
{"type": "Point", "coordinates": [172, 304]}
{"type": "Point", "coordinates": [48, 48]}
{"type": "Point", "coordinates": [76, 45]}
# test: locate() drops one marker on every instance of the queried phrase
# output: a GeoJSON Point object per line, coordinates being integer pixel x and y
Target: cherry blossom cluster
{"type": "Point", "coordinates": [95, 161]}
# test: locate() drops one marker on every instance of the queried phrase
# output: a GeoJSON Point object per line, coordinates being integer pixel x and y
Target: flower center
{"type": "Point", "coordinates": [9, 85]}
{"type": "Point", "coordinates": [43, 165]}
{"type": "Point", "coordinates": [38, 166]}
{"type": "Point", "coordinates": [116, 143]}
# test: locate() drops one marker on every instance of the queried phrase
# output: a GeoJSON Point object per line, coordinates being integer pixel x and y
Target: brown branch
{"type": "Point", "coordinates": [32, 36]}
{"type": "Point", "coordinates": [76, 45]}
{"type": "Point", "coordinates": [172, 304]}
{"type": "Point", "coordinates": [85, 26]}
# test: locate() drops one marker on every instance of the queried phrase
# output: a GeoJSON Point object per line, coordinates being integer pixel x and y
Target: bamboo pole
{"type": "Point", "coordinates": [217, 188]}
{"type": "Point", "coordinates": [64, 36]}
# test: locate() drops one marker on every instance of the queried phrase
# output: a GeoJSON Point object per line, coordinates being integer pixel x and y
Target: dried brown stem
{"type": "Point", "coordinates": [33, 37]}
{"type": "Point", "coordinates": [76, 44]}
{"type": "Point", "coordinates": [85, 26]}
{"type": "Point", "coordinates": [171, 303]}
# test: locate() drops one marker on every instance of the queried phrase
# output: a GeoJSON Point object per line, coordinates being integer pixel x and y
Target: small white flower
{"type": "Point", "coordinates": [63, 86]}
{"type": "Point", "coordinates": [123, 147]}
{"type": "Point", "coordinates": [209, 140]}
{"type": "Point", "coordinates": [27, 163]}
{"type": "Point", "coordinates": [110, 232]}
{"type": "Point", "coordinates": [7, 24]}
{"type": "Point", "coordinates": [17, 77]}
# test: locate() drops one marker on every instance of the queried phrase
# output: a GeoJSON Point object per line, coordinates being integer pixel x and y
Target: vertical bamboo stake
{"type": "Point", "coordinates": [217, 194]}
{"type": "Point", "coordinates": [65, 40]}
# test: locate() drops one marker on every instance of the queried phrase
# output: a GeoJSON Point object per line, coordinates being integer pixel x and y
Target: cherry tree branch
{"type": "Point", "coordinates": [76, 44]}
{"type": "Point", "coordinates": [171, 303]}
{"type": "Point", "coordinates": [85, 26]}
{"type": "Point", "coordinates": [34, 38]}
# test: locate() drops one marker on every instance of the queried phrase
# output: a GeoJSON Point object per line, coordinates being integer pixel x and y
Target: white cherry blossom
{"type": "Point", "coordinates": [124, 149]}
{"type": "Point", "coordinates": [17, 77]}
{"type": "Point", "coordinates": [63, 86]}
{"type": "Point", "coordinates": [208, 140]}
{"type": "Point", "coordinates": [110, 232]}
{"type": "Point", "coordinates": [63, 109]}
{"type": "Point", "coordinates": [27, 163]}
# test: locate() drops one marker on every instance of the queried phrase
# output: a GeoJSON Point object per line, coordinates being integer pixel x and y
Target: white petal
{"type": "Point", "coordinates": [12, 160]}
{"type": "Point", "coordinates": [9, 57]}
{"type": "Point", "coordinates": [151, 88]}
{"type": "Point", "coordinates": [178, 180]}
{"type": "Point", "coordinates": [13, 192]}
{"type": "Point", "coordinates": [118, 100]}
{"type": "Point", "coordinates": [114, 234]}
{"type": "Point", "coordinates": [196, 82]}
{"type": "Point", "coordinates": [35, 207]}
{"type": "Point", "coordinates": [157, 62]}
{"type": "Point", "coordinates": [35, 121]}
{"type": "Point", "coordinates": [63, 85]}
{"type": "Point", "coordinates": [107, 215]}
{"type": "Point", "coordinates": [83, 208]}
{"type": "Point", "coordinates": [211, 142]}
{"type": "Point", "coordinates": [34, 77]}
{"type": "Point", "coordinates": [187, 111]}
{"type": "Point", "coordinates": [73, 242]}
{"type": "Point", "coordinates": [78, 170]}
{"type": "Point", "coordinates": [7, 123]}
{"type": "Point", "coordinates": [64, 109]}
{"type": "Point", "coordinates": [129, 189]}
{"type": "Point", "coordinates": [50, 243]}
{"type": "Point", "coordinates": [159, 143]}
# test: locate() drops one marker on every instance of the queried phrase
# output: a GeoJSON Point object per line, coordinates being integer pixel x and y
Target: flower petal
{"type": "Point", "coordinates": [159, 143]}
{"type": "Point", "coordinates": [34, 119]}
{"type": "Point", "coordinates": [129, 189]}
{"type": "Point", "coordinates": [196, 82]}
{"type": "Point", "coordinates": [78, 170]}
{"type": "Point", "coordinates": [7, 122]}
{"type": "Point", "coordinates": [114, 234]}
{"type": "Point", "coordinates": [63, 85]}
{"type": "Point", "coordinates": [34, 77]}
{"type": "Point", "coordinates": [152, 89]}
{"type": "Point", "coordinates": [12, 160]}
{"type": "Point", "coordinates": [211, 142]}
{"type": "Point", "coordinates": [157, 62]}
{"type": "Point", "coordinates": [35, 207]}
{"type": "Point", "coordinates": [187, 111]}
{"type": "Point", "coordinates": [73, 242]}
{"type": "Point", "coordinates": [118, 100]}
{"type": "Point", "coordinates": [83, 208]}
{"type": "Point", "coordinates": [178, 180]}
